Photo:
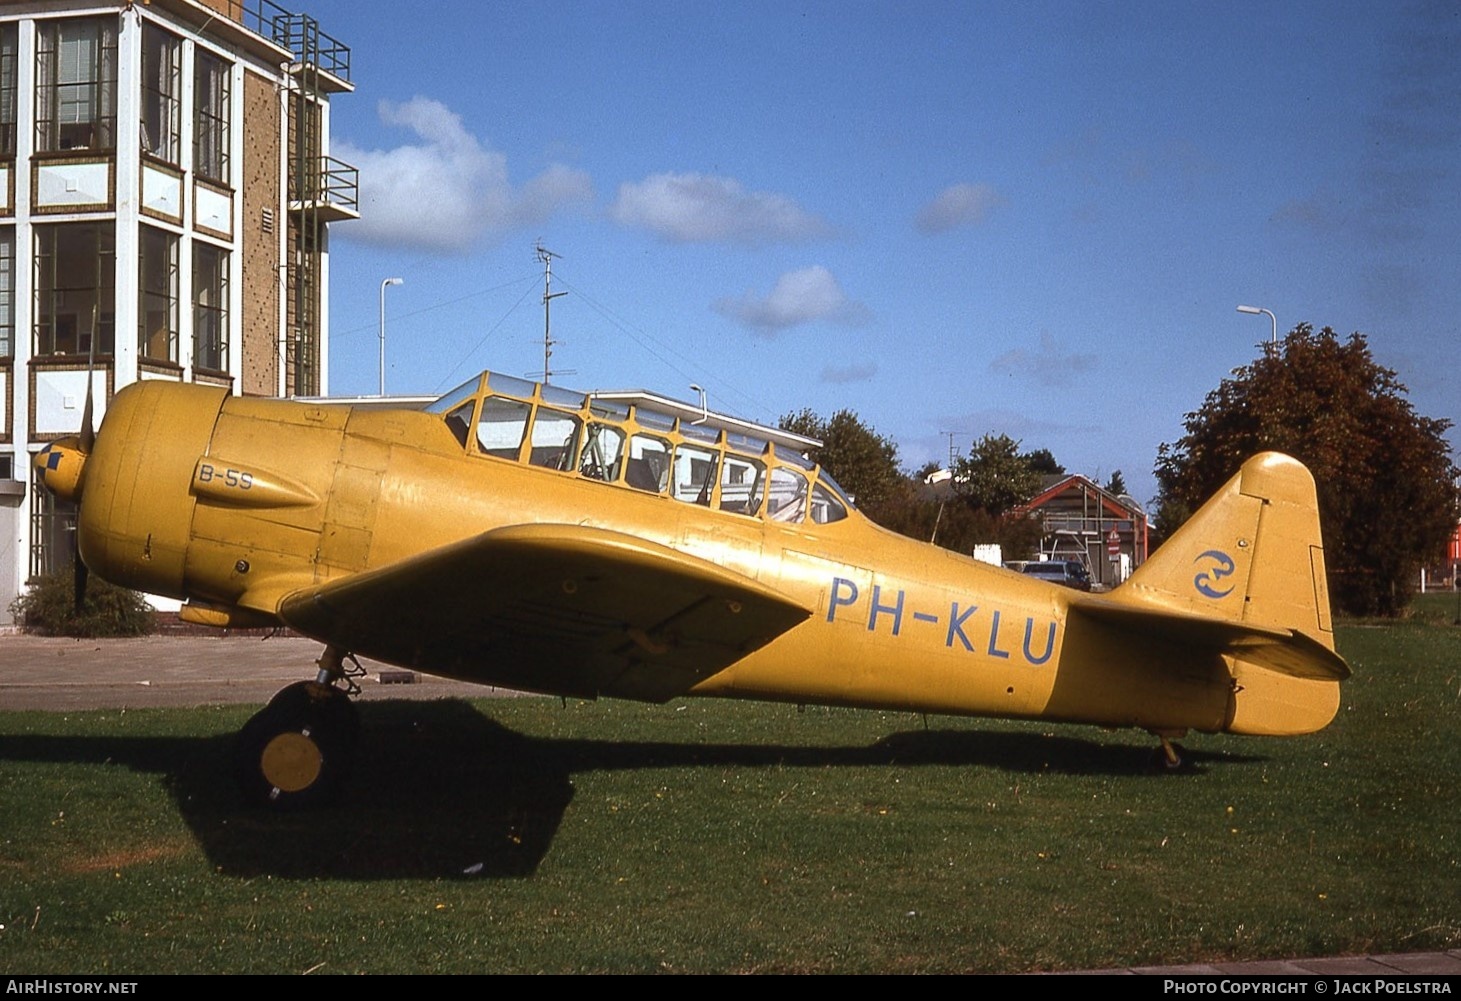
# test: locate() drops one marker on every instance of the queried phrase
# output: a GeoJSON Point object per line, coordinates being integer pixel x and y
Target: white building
{"type": "Point", "coordinates": [166, 191]}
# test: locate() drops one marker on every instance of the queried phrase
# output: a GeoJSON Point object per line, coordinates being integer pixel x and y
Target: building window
{"type": "Point", "coordinates": [305, 303]}
{"type": "Point", "coordinates": [210, 307]}
{"type": "Point", "coordinates": [76, 84]}
{"type": "Point", "coordinates": [211, 80]}
{"type": "Point", "coordinates": [9, 69]}
{"type": "Point", "coordinates": [157, 294]}
{"type": "Point", "coordinates": [7, 292]}
{"type": "Point", "coordinates": [161, 94]}
{"type": "Point", "coordinates": [75, 280]}
{"type": "Point", "coordinates": [52, 531]}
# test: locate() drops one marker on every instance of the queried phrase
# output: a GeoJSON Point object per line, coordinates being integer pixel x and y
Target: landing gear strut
{"type": "Point", "coordinates": [297, 751]}
{"type": "Point", "coordinates": [1170, 757]}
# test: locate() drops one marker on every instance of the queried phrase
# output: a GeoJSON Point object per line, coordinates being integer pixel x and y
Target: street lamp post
{"type": "Point", "coordinates": [383, 284]}
{"type": "Point", "coordinates": [1255, 310]}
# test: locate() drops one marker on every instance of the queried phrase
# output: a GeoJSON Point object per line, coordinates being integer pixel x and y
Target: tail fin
{"type": "Point", "coordinates": [1245, 576]}
{"type": "Point", "coordinates": [1251, 554]}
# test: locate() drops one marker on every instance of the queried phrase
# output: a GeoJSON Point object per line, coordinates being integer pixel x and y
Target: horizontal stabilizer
{"type": "Point", "coordinates": [1284, 650]}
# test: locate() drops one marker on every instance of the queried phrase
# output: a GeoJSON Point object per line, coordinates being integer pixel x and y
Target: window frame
{"type": "Point", "coordinates": [9, 87]}
{"type": "Point", "coordinates": [52, 523]}
{"type": "Point", "coordinates": [603, 451]}
{"type": "Point", "coordinates": [501, 415]}
{"type": "Point", "coordinates": [7, 291]}
{"type": "Point", "coordinates": [160, 128]}
{"type": "Point", "coordinates": [94, 86]}
{"type": "Point", "coordinates": [737, 494]}
{"type": "Point", "coordinates": [548, 446]}
{"type": "Point", "coordinates": [157, 294]}
{"type": "Point", "coordinates": [787, 498]}
{"type": "Point", "coordinates": [210, 321]}
{"type": "Point", "coordinates": [212, 117]}
{"type": "Point", "coordinates": [52, 305]}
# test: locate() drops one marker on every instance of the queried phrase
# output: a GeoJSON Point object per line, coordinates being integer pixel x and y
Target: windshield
{"type": "Point", "coordinates": [449, 401]}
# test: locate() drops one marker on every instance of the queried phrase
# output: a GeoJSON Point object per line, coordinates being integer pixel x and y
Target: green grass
{"type": "Point", "coordinates": [707, 836]}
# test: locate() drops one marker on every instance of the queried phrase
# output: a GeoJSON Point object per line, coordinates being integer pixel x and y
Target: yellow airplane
{"type": "Point", "coordinates": [627, 545]}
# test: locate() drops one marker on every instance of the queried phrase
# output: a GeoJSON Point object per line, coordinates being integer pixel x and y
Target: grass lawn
{"type": "Point", "coordinates": [533, 835]}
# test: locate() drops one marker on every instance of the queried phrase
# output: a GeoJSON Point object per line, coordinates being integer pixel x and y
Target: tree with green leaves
{"type": "Point", "coordinates": [994, 480]}
{"type": "Point", "coordinates": [1116, 485]}
{"type": "Point", "coordinates": [1043, 462]}
{"type": "Point", "coordinates": [1386, 479]}
{"type": "Point", "coordinates": [861, 460]}
{"type": "Point", "coordinates": [994, 477]}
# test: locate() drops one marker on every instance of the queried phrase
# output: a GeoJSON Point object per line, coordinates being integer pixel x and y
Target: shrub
{"type": "Point", "coordinates": [49, 608]}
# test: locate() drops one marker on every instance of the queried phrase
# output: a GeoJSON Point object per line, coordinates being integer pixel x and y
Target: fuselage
{"type": "Point", "coordinates": [230, 503]}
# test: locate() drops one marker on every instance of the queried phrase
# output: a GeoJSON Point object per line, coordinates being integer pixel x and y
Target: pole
{"type": "Point", "coordinates": [1254, 311]}
{"type": "Point", "coordinates": [383, 284]}
{"type": "Point", "coordinates": [546, 256]}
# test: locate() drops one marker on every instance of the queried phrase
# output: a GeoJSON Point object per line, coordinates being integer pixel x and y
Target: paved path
{"type": "Point", "coordinates": [52, 673]}
{"type": "Point", "coordinates": [1409, 964]}
{"type": "Point", "coordinates": [60, 674]}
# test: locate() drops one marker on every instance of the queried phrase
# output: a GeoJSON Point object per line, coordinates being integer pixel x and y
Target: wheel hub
{"type": "Point", "coordinates": [291, 762]}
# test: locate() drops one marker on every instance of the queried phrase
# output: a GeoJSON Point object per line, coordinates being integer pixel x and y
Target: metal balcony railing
{"type": "Point", "coordinates": [335, 186]}
{"type": "Point", "coordinates": [299, 33]}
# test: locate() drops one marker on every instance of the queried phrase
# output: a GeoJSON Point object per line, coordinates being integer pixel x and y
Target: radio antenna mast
{"type": "Point", "coordinates": [546, 256]}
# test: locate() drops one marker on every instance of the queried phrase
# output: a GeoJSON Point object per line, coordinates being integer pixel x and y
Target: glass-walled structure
{"type": "Point", "coordinates": [647, 443]}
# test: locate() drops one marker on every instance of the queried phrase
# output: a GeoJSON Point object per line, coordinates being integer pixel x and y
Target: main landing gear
{"type": "Point", "coordinates": [297, 751]}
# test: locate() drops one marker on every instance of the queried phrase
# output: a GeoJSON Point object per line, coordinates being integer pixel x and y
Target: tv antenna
{"type": "Point", "coordinates": [546, 256]}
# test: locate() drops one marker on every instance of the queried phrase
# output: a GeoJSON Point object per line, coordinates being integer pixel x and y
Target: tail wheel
{"type": "Point", "coordinates": [297, 751]}
{"type": "Point", "coordinates": [1171, 758]}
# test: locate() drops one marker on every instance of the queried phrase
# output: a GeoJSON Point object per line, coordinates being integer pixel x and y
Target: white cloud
{"type": "Point", "coordinates": [447, 191]}
{"type": "Point", "coordinates": [958, 205]}
{"type": "Point", "coordinates": [798, 297]}
{"type": "Point", "coordinates": [1047, 365]}
{"type": "Point", "coordinates": [700, 208]}
{"type": "Point", "coordinates": [551, 190]}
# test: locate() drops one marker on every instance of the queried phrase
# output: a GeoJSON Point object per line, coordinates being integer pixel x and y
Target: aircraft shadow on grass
{"type": "Point", "coordinates": [440, 790]}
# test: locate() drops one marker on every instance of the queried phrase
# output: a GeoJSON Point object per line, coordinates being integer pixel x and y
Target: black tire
{"type": "Point", "coordinates": [330, 706]}
{"type": "Point", "coordinates": [297, 751]}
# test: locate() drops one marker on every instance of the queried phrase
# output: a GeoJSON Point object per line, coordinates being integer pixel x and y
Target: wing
{"type": "Point", "coordinates": [1287, 651]}
{"type": "Point", "coordinates": [551, 608]}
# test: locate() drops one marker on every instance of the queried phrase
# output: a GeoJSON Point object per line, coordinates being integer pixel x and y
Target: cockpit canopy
{"type": "Point", "coordinates": [645, 442]}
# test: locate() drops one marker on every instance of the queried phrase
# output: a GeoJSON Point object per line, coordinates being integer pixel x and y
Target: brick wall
{"type": "Point", "coordinates": [260, 238]}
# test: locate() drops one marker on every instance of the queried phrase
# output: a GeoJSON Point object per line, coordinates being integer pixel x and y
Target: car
{"type": "Point", "coordinates": [1067, 572]}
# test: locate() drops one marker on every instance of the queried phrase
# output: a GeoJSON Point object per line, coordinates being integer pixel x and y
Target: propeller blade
{"type": "Point", "coordinates": [88, 433]}
{"type": "Point", "coordinates": [86, 441]}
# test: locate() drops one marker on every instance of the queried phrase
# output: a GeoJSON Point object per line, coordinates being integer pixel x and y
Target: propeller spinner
{"type": "Point", "coordinates": [62, 466]}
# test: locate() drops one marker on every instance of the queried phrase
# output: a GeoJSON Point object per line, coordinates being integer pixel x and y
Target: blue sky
{"type": "Point", "coordinates": [1025, 218]}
